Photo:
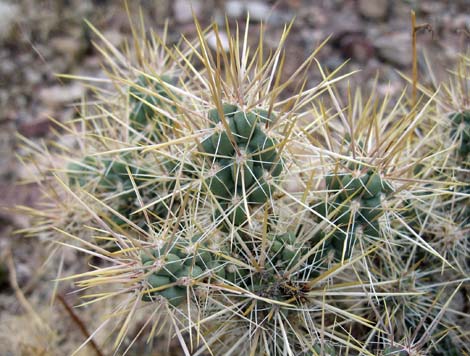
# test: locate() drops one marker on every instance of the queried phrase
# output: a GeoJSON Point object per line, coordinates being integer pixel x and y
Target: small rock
{"type": "Point", "coordinates": [183, 10]}
{"type": "Point", "coordinates": [12, 195]}
{"type": "Point", "coordinates": [36, 128]}
{"type": "Point", "coordinates": [278, 18]}
{"type": "Point", "coordinates": [314, 16]}
{"type": "Point", "coordinates": [312, 37]}
{"type": "Point", "coordinates": [374, 9]}
{"type": "Point", "coordinates": [7, 67]}
{"type": "Point", "coordinates": [8, 16]}
{"type": "Point", "coordinates": [68, 254]}
{"type": "Point", "coordinates": [115, 37]}
{"type": "Point", "coordinates": [213, 42]}
{"type": "Point", "coordinates": [431, 7]}
{"type": "Point", "coordinates": [60, 94]}
{"type": "Point", "coordinates": [355, 46]}
{"type": "Point", "coordinates": [258, 10]}
{"type": "Point", "coordinates": [343, 22]}
{"type": "Point", "coordinates": [32, 75]}
{"type": "Point", "coordinates": [68, 46]}
{"type": "Point", "coordinates": [24, 271]}
{"type": "Point", "coordinates": [395, 49]}
{"type": "Point", "coordinates": [460, 22]}
{"type": "Point", "coordinates": [234, 8]}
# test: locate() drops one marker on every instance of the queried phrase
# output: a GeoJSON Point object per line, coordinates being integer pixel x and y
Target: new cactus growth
{"type": "Point", "coordinates": [461, 131]}
{"type": "Point", "coordinates": [354, 202]}
{"type": "Point", "coordinates": [244, 166]}
{"type": "Point", "coordinates": [146, 97]}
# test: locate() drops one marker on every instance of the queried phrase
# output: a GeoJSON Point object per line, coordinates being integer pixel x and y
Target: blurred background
{"type": "Point", "coordinates": [39, 38]}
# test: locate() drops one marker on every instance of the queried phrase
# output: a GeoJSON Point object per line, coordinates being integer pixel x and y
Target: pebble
{"type": "Point", "coordinates": [35, 128]}
{"type": "Point", "coordinates": [356, 46]}
{"type": "Point", "coordinates": [60, 94]}
{"type": "Point", "coordinates": [343, 22]}
{"type": "Point", "coordinates": [431, 7]}
{"type": "Point", "coordinates": [314, 16]}
{"type": "Point", "coordinates": [67, 46]}
{"type": "Point", "coordinates": [7, 67]}
{"type": "Point", "coordinates": [12, 195]}
{"type": "Point", "coordinates": [183, 10]}
{"type": "Point", "coordinates": [374, 9]}
{"type": "Point", "coordinates": [258, 10]}
{"type": "Point", "coordinates": [115, 37]}
{"type": "Point", "coordinates": [234, 9]}
{"type": "Point", "coordinates": [395, 49]}
{"type": "Point", "coordinates": [32, 76]}
{"type": "Point", "coordinates": [460, 22]}
{"type": "Point", "coordinates": [212, 41]}
{"type": "Point", "coordinates": [9, 14]}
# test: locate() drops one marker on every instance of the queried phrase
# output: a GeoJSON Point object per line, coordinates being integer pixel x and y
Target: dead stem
{"type": "Point", "coordinates": [80, 323]}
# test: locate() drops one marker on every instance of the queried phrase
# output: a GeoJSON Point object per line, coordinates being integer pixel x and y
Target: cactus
{"type": "Point", "coordinates": [251, 232]}
{"type": "Point", "coordinates": [461, 131]}
{"type": "Point", "coordinates": [245, 166]}
{"type": "Point", "coordinates": [355, 202]}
